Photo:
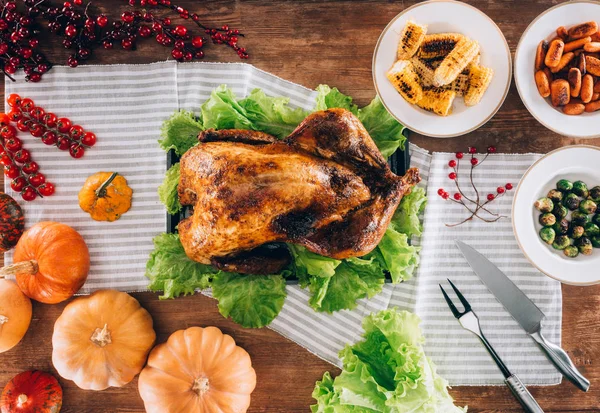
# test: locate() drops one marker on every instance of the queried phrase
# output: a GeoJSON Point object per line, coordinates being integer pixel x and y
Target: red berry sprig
{"type": "Point", "coordinates": [18, 165]}
{"type": "Point", "coordinates": [19, 41]}
{"type": "Point", "coordinates": [52, 130]}
{"type": "Point", "coordinates": [472, 204]}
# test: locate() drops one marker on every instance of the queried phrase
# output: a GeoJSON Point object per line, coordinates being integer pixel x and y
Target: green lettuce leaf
{"type": "Point", "coordinates": [171, 271]}
{"type": "Point", "coordinates": [385, 130]}
{"type": "Point", "coordinates": [406, 218]}
{"type": "Point", "coordinates": [250, 300]}
{"type": "Point", "coordinates": [399, 258]}
{"type": "Point", "coordinates": [222, 111]}
{"type": "Point", "coordinates": [167, 191]}
{"type": "Point", "coordinates": [386, 372]}
{"type": "Point", "coordinates": [328, 98]}
{"type": "Point", "coordinates": [180, 132]}
{"type": "Point", "coordinates": [271, 114]}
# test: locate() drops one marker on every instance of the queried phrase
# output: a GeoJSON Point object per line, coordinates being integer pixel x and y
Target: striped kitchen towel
{"type": "Point", "coordinates": [125, 106]}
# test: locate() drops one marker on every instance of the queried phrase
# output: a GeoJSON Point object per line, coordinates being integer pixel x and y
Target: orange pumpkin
{"type": "Point", "coordinates": [51, 262]}
{"type": "Point", "coordinates": [102, 340]}
{"type": "Point", "coordinates": [198, 370]}
{"type": "Point", "coordinates": [105, 196]}
{"type": "Point", "coordinates": [15, 315]}
{"type": "Point", "coordinates": [32, 392]}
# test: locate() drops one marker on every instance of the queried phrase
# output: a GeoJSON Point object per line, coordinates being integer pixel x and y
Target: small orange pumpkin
{"type": "Point", "coordinates": [32, 392]}
{"type": "Point", "coordinates": [102, 340]}
{"type": "Point", "coordinates": [15, 315]}
{"type": "Point", "coordinates": [51, 262]}
{"type": "Point", "coordinates": [198, 370]}
{"type": "Point", "coordinates": [105, 196]}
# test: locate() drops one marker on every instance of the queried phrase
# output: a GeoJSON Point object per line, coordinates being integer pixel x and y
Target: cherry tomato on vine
{"type": "Point", "coordinates": [23, 124]}
{"type": "Point", "coordinates": [30, 167]}
{"type": "Point", "coordinates": [18, 184]}
{"type": "Point", "coordinates": [28, 194]}
{"type": "Point", "coordinates": [4, 119]}
{"type": "Point", "coordinates": [23, 156]}
{"type": "Point", "coordinates": [36, 179]}
{"type": "Point", "coordinates": [49, 138]}
{"type": "Point", "coordinates": [50, 120]}
{"type": "Point", "coordinates": [63, 125]}
{"type": "Point", "coordinates": [13, 144]}
{"type": "Point", "coordinates": [8, 131]}
{"type": "Point", "coordinates": [37, 113]}
{"type": "Point", "coordinates": [76, 151]}
{"type": "Point", "coordinates": [64, 144]}
{"type": "Point", "coordinates": [89, 139]}
{"type": "Point", "coordinates": [76, 132]}
{"type": "Point", "coordinates": [11, 171]}
{"type": "Point", "coordinates": [46, 189]}
{"type": "Point", "coordinates": [26, 104]}
{"type": "Point", "coordinates": [13, 100]}
{"type": "Point", "coordinates": [37, 130]}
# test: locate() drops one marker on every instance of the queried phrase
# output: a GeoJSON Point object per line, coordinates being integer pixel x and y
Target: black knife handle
{"type": "Point", "coordinates": [561, 360]}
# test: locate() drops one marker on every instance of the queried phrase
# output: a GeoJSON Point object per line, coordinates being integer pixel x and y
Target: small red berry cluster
{"type": "Point", "coordinates": [83, 32]}
{"type": "Point", "coordinates": [52, 130]}
{"type": "Point", "coordinates": [19, 41]}
{"type": "Point", "coordinates": [472, 204]}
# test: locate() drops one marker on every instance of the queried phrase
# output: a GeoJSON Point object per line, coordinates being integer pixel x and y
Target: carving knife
{"type": "Point", "coordinates": [523, 310]}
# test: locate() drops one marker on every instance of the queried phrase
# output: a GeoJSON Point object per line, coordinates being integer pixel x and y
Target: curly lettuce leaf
{"type": "Point", "coordinates": [171, 271]}
{"type": "Point", "coordinates": [250, 300]}
{"type": "Point", "coordinates": [406, 218]}
{"type": "Point", "coordinates": [180, 132]}
{"type": "Point", "coordinates": [328, 98]}
{"type": "Point", "coordinates": [271, 114]}
{"type": "Point", "coordinates": [385, 130]}
{"type": "Point", "coordinates": [386, 372]}
{"type": "Point", "coordinates": [399, 258]}
{"type": "Point", "coordinates": [167, 191]}
{"type": "Point", "coordinates": [336, 284]}
{"type": "Point", "coordinates": [222, 111]}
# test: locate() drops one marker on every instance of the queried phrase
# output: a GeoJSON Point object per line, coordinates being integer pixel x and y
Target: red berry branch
{"type": "Point", "coordinates": [474, 204]}
{"type": "Point", "coordinates": [82, 32]}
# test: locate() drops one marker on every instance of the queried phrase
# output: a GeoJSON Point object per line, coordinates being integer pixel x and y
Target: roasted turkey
{"type": "Point", "coordinates": [326, 187]}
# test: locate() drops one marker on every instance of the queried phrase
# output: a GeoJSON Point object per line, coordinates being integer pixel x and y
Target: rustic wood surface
{"type": "Point", "coordinates": [311, 42]}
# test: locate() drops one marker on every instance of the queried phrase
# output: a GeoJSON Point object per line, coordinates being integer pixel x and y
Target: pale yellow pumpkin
{"type": "Point", "coordinates": [102, 340]}
{"type": "Point", "coordinates": [198, 370]}
{"type": "Point", "coordinates": [15, 315]}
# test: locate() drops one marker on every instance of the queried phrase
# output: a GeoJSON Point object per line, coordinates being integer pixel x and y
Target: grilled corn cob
{"type": "Point", "coordinates": [406, 81]}
{"type": "Point", "coordinates": [425, 70]}
{"type": "Point", "coordinates": [439, 44]}
{"type": "Point", "coordinates": [410, 39]}
{"type": "Point", "coordinates": [455, 62]}
{"type": "Point", "coordinates": [437, 100]}
{"type": "Point", "coordinates": [480, 78]}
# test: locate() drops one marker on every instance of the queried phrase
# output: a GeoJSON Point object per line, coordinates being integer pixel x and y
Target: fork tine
{"type": "Point", "coordinates": [450, 304]}
{"type": "Point", "coordinates": [461, 297]}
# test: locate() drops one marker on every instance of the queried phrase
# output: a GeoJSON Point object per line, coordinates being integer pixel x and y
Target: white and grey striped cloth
{"type": "Point", "coordinates": [125, 106]}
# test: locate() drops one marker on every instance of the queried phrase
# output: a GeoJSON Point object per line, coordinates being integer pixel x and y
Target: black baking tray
{"type": "Point", "coordinates": [399, 163]}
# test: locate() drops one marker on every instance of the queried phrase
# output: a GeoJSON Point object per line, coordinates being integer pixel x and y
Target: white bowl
{"type": "Point", "coordinates": [544, 27]}
{"type": "Point", "coordinates": [574, 163]}
{"type": "Point", "coordinates": [445, 16]}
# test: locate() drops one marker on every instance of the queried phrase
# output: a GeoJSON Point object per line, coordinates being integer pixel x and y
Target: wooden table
{"type": "Point", "coordinates": [310, 42]}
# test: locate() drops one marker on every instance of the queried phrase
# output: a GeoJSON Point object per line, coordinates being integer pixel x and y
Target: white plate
{"type": "Point", "coordinates": [544, 28]}
{"type": "Point", "coordinates": [445, 16]}
{"type": "Point", "coordinates": [573, 163]}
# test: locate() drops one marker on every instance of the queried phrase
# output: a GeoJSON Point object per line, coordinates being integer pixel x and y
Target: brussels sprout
{"type": "Point", "coordinates": [561, 227]}
{"type": "Point", "coordinates": [560, 211]}
{"type": "Point", "coordinates": [555, 195]}
{"type": "Point", "coordinates": [591, 230]}
{"type": "Point", "coordinates": [579, 218]}
{"type": "Point", "coordinates": [595, 194]}
{"type": "Point", "coordinates": [547, 219]}
{"type": "Point", "coordinates": [571, 251]}
{"type": "Point", "coordinates": [571, 201]}
{"type": "Point", "coordinates": [585, 245]}
{"type": "Point", "coordinates": [561, 242]}
{"type": "Point", "coordinates": [580, 188]}
{"type": "Point", "coordinates": [547, 235]}
{"type": "Point", "coordinates": [588, 206]}
{"type": "Point", "coordinates": [596, 219]}
{"type": "Point", "coordinates": [596, 242]}
{"type": "Point", "coordinates": [544, 205]}
{"type": "Point", "coordinates": [576, 231]}
{"type": "Point", "coordinates": [564, 185]}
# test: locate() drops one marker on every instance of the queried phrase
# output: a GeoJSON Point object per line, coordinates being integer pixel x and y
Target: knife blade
{"type": "Point", "coordinates": [522, 309]}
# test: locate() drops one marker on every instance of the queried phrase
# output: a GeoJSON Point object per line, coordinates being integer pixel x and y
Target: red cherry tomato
{"type": "Point", "coordinates": [63, 125]}
{"type": "Point", "coordinates": [4, 119]}
{"type": "Point", "coordinates": [76, 151]}
{"type": "Point", "coordinates": [36, 179]}
{"type": "Point", "coordinates": [46, 189]}
{"type": "Point", "coordinates": [8, 131]}
{"type": "Point", "coordinates": [50, 120]}
{"type": "Point", "coordinates": [13, 144]}
{"type": "Point", "coordinates": [89, 139]}
{"type": "Point", "coordinates": [11, 171]}
{"type": "Point", "coordinates": [22, 156]}
{"type": "Point", "coordinates": [37, 113]}
{"type": "Point", "coordinates": [30, 167]}
{"type": "Point", "coordinates": [13, 100]}
{"type": "Point", "coordinates": [28, 194]}
{"type": "Point", "coordinates": [27, 104]}
{"type": "Point", "coordinates": [37, 130]}
{"type": "Point", "coordinates": [64, 144]}
{"type": "Point", "coordinates": [5, 160]}
{"type": "Point", "coordinates": [23, 124]}
{"type": "Point", "coordinates": [14, 115]}
{"type": "Point", "coordinates": [18, 184]}
{"type": "Point", "coordinates": [76, 132]}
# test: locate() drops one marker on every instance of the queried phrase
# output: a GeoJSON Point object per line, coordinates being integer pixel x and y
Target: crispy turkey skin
{"type": "Point", "coordinates": [326, 187]}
